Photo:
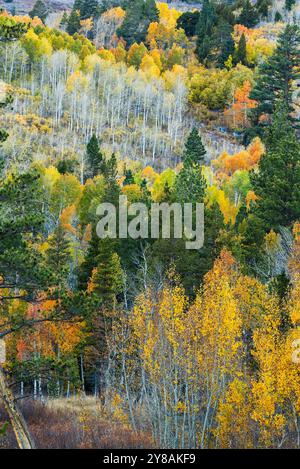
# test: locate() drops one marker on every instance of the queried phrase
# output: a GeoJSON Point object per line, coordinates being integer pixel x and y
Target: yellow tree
{"type": "Point", "coordinates": [158, 324]}
{"type": "Point", "coordinates": [219, 331]}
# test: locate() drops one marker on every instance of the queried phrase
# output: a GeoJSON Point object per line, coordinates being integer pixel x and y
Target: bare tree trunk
{"type": "Point", "coordinates": [23, 437]}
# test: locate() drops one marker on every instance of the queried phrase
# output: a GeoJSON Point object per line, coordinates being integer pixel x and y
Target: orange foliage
{"type": "Point", "coordinates": [237, 115]}
{"type": "Point", "coordinates": [245, 159]}
{"type": "Point", "coordinates": [251, 197]}
{"type": "Point", "coordinates": [66, 218]}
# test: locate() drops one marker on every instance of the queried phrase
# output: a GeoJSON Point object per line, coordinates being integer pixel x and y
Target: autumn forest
{"type": "Point", "coordinates": [142, 343]}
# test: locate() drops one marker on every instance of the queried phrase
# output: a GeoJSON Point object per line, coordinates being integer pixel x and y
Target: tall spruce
{"type": "Point", "coordinates": [276, 80]}
{"type": "Point", "coordinates": [94, 157]}
{"type": "Point", "coordinates": [204, 30]}
{"type": "Point", "coordinates": [223, 42]}
{"type": "Point", "coordinates": [89, 9]}
{"type": "Point", "coordinates": [241, 51]}
{"type": "Point", "coordinates": [249, 16]}
{"type": "Point", "coordinates": [108, 279]}
{"type": "Point", "coordinates": [194, 152]}
{"type": "Point", "coordinates": [277, 181]}
{"type": "Point", "coordinates": [73, 24]}
{"type": "Point", "coordinates": [40, 10]}
{"type": "Point", "coordinates": [188, 22]}
{"type": "Point", "coordinates": [190, 185]}
{"type": "Point", "coordinates": [129, 179]}
{"type": "Point", "coordinates": [22, 219]}
{"type": "Point", "coordinates": [59, 256]}
{"type": "Point", "coordinates": [263, 7]}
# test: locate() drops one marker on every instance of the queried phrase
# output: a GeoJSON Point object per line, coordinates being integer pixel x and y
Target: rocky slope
{"type": "Point", "coordinates": [21, 7]}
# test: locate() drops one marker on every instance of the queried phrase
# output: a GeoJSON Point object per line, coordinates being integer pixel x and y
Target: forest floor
{"type": "Point", "coordinates": [73, 423]}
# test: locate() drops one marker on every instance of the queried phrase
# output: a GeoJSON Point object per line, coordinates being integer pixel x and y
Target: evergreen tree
{"type": "Point", "coordinates": [194, 153]}
{"type": "Point", "coordinates": [22, 218]}
{"type": "Point", "coordinates": [263, 7]}
{"type": "Point", "coordinates": [78, 4]}
{"type": "Point", "coordinates": [139, 15]}
{"type": "Point", "coordinates": [94, 157]}
{"type": "Point", "coordinates": [89, 9]}
{"type": "Point", "coordinates": [108, 280]}
{"type": "Point", "coordinates": [188, 22]}
{"type": "Point", "coordinates": [276, 79]}
{"type": "Point", "coordinates": [224, 12]}
{"type": "Point", "coordinates": [277, 181]}
{"type": "Point", "coordinates": [241, 51]}
{"type": "Point", "coordinates": [223, 43]}
{"type": "Point", "coordinates": [146, 198]}
{"type": "Point", "coordinates": [86, 268]}
{"type": "Point", "coordinates": [4, 101]}
{"type": "Point", "coordinates": [111, 195]}
{"type": "Point", "coordinates": [289, 4]}
{"type": "Point", "coordinates": [67, 166]}
{"type": "Point", "coordinates": [3, 135]}
{"type": "Point", "coordinates": [59, 256]}
{"type": "Point", "coordinates": [144, 184]}
{"type": "Point", "coordinates": [191, 265]}
{"type": "Point", "coordinates": [129, 179]}
{"type": "Point", "coordinates": [249, 15]}
{"type": "Point", "coordinates": [40, 10]}
{"type": "Point", "coordinates": [73, 25]}
{"type": "Point", "coordinates": [110, 168]}
{"type": "Point", "coordinates": [64, 20]}
{"type": "Point", "coordinates": [278, 17]}
{"type": "Point", "coordinates": [190, 185]}
{"type": "Point", "coordinates": [204, 30]}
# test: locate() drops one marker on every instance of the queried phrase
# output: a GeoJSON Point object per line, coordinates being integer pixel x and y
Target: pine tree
{"type": "Point", "coordinates": [86, 268]}
{"type": "Point", "coordinates": [276, 79]}
{"type": "Point", "coordinates": [190, 185]}
{"type": "Point", "coordinates": [204, 30]}
{"type": "Point", "coordinates": [3, 103]}
{"type": "Point", "coordinates": [129, 179]}
{"type": "Point", "coordinates": [78, 5]}
{"type": "Point", "coordinates": [241, 51]}
{"type": "Point", "coordinates": [110, 168]}
{"type": "Point", "coordinates": [277, 182]}
{"type": "Point", "coordinates": [278, 17]}
{"type": "Point", "coordinates": [194, 153]}
{"type": "Point", "coordinates": [64, 20]}
{"type": "Point", "coordinates": [3, 136]}
{"type": "Point", "coordinates": [59, 256]}
{"type": "Point", "coordinates": [40, 10]}
{"type": "Point", "coordinates": [221, 43]}
{"type": "Point", "coordinates": [289, 4]}
{"type": "Point", "coordinates": [108, 279]}
{"type": "Point", "coordinates": [249, 15]}
{"type": "Point", "coordinates": [94, 157]}
{"type": "Point", "coordinates": [139, 15]}
{"type": "Point", "coordinates": [67, 166]}
{"type": "Point", "coordinates": [73, 25]}
{"type": "Point", "coordinates": [22, 217]}
{"type": "Point", "coordinates": [89, 9]}
{"type": "Point", "coordinates": [188, 22]}
{"type": "Point", "coordinates": [263, 7]}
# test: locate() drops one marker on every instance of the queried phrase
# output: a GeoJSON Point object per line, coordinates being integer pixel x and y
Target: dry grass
{"type": "Point", "coordinates": [74, 423]}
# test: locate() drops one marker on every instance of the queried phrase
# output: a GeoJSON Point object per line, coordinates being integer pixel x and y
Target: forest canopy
{"type": "Point", "coordinates": [164, 105]}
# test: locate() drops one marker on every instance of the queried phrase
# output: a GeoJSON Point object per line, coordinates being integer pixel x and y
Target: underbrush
{"type": "Point", "coordinates": [73, 424]}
